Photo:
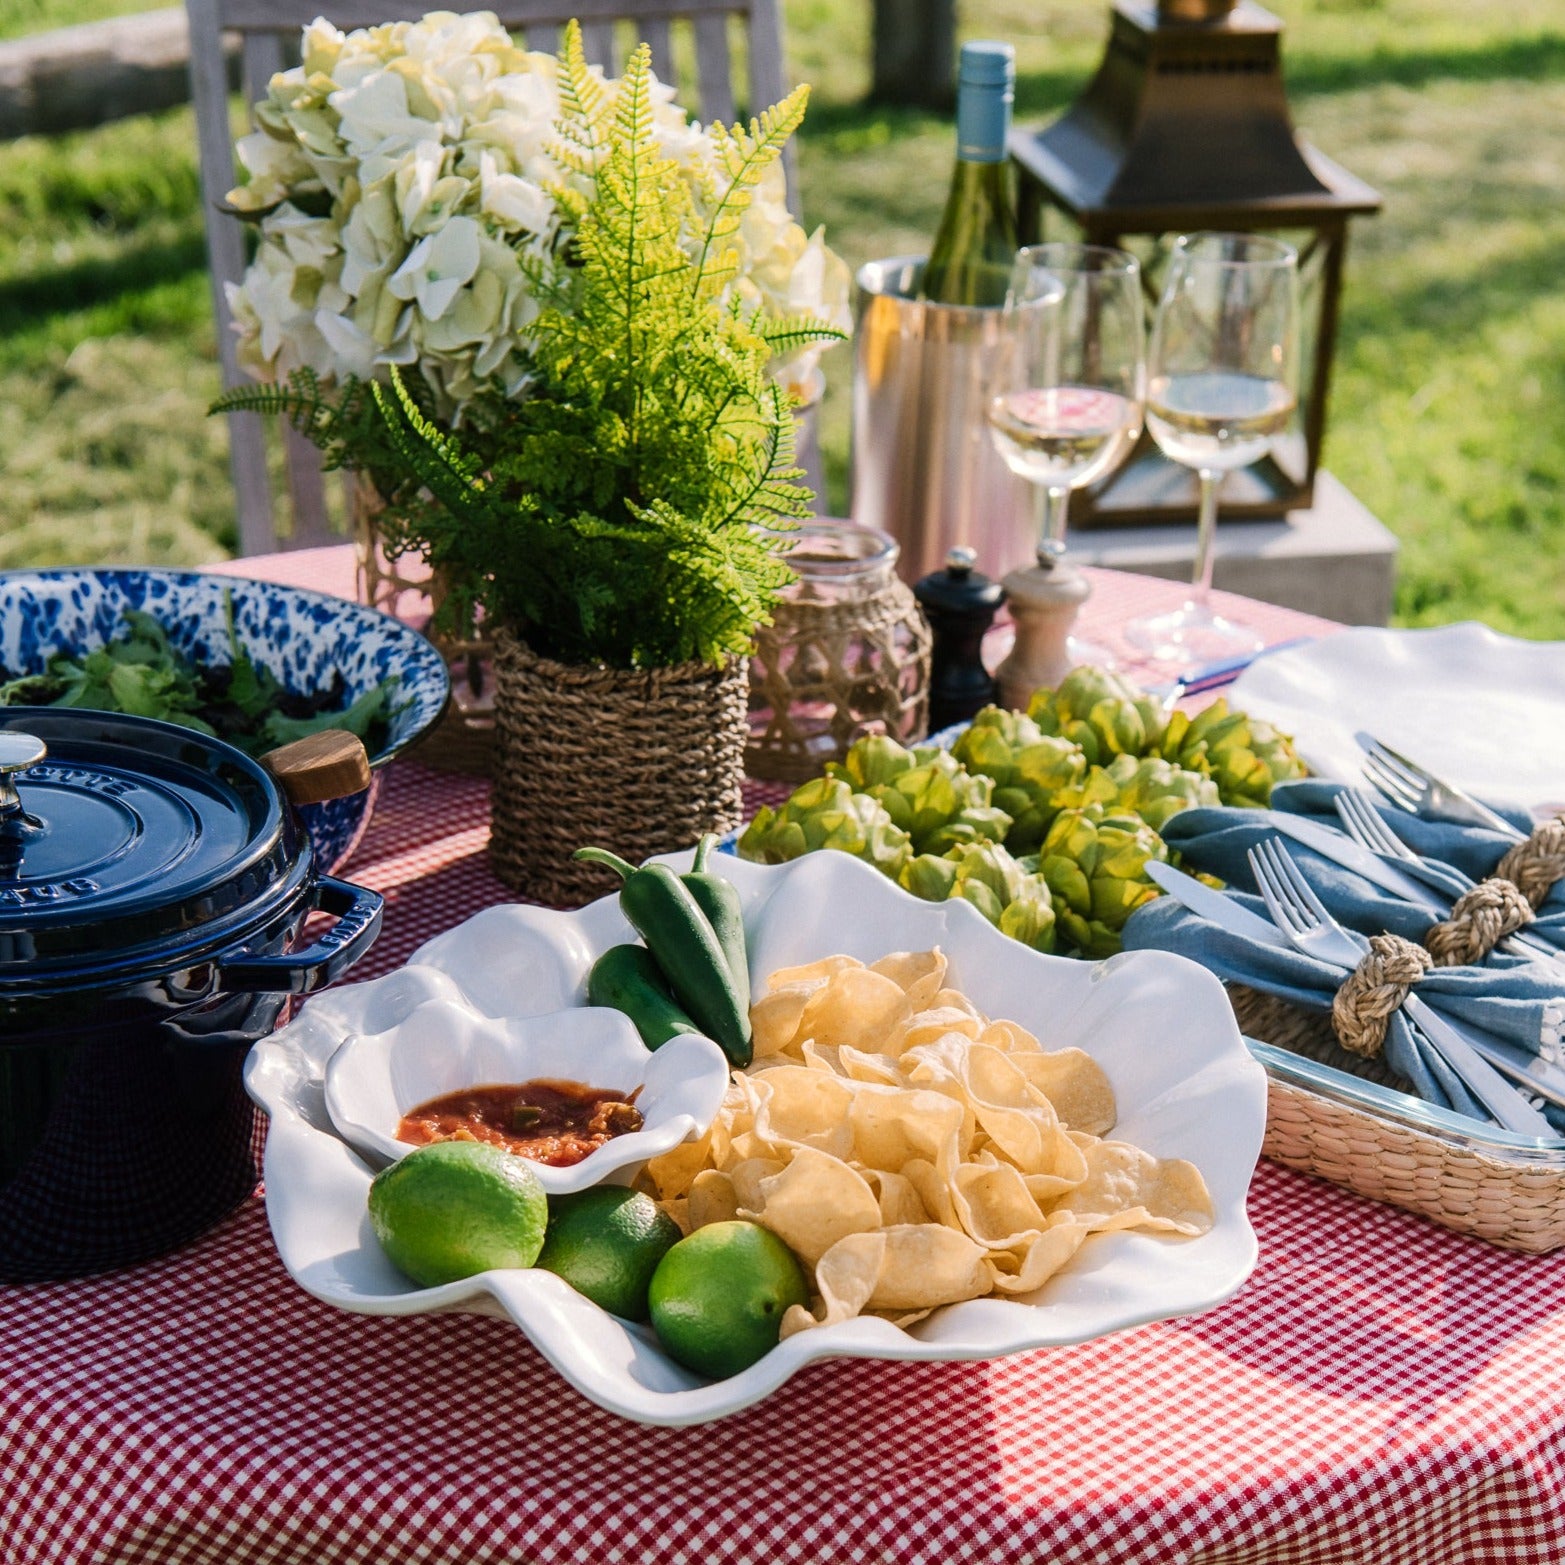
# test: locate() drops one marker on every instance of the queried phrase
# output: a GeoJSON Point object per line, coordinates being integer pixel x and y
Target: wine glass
{"type": "Point", "coordinates": [1066, 404]}
{"type": "Point", "coordinates": [1222, 381]}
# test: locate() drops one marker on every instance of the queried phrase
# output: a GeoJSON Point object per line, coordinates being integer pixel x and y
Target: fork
{"type": "Point", "coordinates": [1406, 784]}
{"type": "Point", "coordinates": [1309, 928]}
{"type": "Point", "coordinates": [1363, 824]}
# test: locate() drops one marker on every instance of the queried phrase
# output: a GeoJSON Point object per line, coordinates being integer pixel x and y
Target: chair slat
{"type": "Point", "coordinates": [261, 60]}
{"type": "Point", "coordinates": [714, 70]}
{"type": "Point", "coordinates": [544, 37]}
{"type": "Point", "coordinates": [597, 42]}
{"type": "Point", "coordinates": [658, 36]}
{"type": "Point", "coordinates": [307, 492]}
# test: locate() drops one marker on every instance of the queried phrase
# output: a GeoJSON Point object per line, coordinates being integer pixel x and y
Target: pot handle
{"type": "Point", "coordinates": [303, 972]}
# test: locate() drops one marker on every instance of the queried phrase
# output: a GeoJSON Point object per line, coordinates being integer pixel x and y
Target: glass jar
{"type": "Point", "coordinates": [847, 655]}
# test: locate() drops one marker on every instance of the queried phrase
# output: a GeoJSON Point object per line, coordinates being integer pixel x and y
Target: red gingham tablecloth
{"type": "Point", "coordinates": [1381, 1391]}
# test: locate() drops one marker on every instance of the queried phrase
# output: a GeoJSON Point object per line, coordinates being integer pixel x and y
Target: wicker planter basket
{"type": "Point", "coordinates": [1515, 1200]}
{"type": "Point", "coordinates": [638, 761]}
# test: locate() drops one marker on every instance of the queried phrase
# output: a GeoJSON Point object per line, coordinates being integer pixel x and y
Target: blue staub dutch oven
{"type": "Point", "coordinates": [153, 885]}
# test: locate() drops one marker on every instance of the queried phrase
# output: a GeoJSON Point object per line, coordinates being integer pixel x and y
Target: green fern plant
{"type": "Point", "coordinates": [629, 510]}
{"type": "Point", "coordinates": [632, 508]}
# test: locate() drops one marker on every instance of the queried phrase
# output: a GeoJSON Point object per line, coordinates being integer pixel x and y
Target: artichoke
{"type": "Point", "coordinates": [1030, 918]}
{"type": "Point", "coordinates": [940, 808]}
{"type": "Point", "coordinates": [988, 877]}
{"type": "Point", "coordinates": [929, 876]}
{"type": "Point", "coordinates": [993, 737]}
{"type": "Point", "coordinates": [1034, 774]}
{"type": "Point", "coordinates": [1095, 867]}
{"type": "Point", "coordinates": [1243, 755]}
{"type": "Point", "coordinates": [926, 793]}
{"type": "Point", "coordinates": [870, 762]}
{"type": "Point", "coordinates": [1101, 712]}
{"type": "Point", "coordinates": [827, 813]}
{"type": "Point", "coordinates": [1152, 788]}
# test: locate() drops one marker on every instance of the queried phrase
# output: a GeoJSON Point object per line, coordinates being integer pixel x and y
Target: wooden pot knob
{"type": "Point", "coordinates": [328, 765]}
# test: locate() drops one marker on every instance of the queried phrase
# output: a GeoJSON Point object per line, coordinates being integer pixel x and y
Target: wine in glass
{"type": "Point", "coordinates": [1066, 404]}
{"type": "Point", "coordinates": [1222, 383]}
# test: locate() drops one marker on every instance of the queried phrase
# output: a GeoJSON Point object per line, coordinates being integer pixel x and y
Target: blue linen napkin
{"type": "Point", "coordinates": [1514, 1005]}
{"type": "Point", "coordinates": [1516, 1002]}
{"type": "Point", "coordinates": [1216, 841]}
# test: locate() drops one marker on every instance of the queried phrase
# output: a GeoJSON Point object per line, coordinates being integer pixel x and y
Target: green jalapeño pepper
{"type": "Point", "coordinates": [627, 978]}
{"type": "Point", "coordinates": [719, 900]}
{"type": "Point", "coordinates": [664, 913]}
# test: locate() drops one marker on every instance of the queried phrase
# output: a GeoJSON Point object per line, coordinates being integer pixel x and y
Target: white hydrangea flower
{"type": "Point", "coordinates": [426, 196]}
{"type": "Point", "coordinates": [513, 202]}
{"type": "Point", "coordinates": [437, 266]}
{"type": "Point", "coordinates": [430, 141]}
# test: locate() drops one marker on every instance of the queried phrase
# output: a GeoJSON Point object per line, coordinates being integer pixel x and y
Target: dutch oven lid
{"type": "Point", "coordinates": [128, 840]}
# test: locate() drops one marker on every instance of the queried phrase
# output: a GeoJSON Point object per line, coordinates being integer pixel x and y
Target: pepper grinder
{"type": "Point", "coordinates": [960, 604]}
{"type": "Point", "coordinates": [1044, 601]}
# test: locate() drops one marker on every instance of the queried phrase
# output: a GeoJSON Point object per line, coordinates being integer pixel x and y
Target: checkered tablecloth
{"type": "Point", "coordinates": [1381, 1391]}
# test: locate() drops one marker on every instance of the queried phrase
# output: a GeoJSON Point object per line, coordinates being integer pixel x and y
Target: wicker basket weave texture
{"type": "Point", "coordinates": [1511, 1204]}
{"type": "Point", "coordinates": [639, 761]}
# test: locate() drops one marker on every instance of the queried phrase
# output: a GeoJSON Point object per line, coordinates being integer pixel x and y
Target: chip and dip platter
{"type": "Point", "coordinates": [1159, 1026]}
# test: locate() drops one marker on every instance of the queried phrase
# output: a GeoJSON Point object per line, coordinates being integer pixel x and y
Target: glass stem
{"type": "Point", "coordinates": [1205, 534]}
{"type": "Point", "coordinates": [1052, 505]}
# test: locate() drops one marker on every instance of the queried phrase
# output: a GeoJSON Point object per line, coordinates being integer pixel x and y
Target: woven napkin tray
{"type": "Point", "coordinates": [1352, 1122]}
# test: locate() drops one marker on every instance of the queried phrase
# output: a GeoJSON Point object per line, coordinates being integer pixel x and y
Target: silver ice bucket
{"type": "Point", "coordinates": [924, 467]}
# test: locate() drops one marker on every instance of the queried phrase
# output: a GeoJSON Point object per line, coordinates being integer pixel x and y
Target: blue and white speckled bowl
{"type": "Point", "coordinates": [303, 638]}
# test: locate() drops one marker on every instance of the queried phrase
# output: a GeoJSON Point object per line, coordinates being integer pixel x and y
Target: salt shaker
{"type": "Point", "coordinates": [960, 604]}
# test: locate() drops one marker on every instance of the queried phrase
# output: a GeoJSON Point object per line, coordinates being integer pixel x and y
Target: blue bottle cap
{"type": "Point", "coordinates": [986, 63]}
{"type": "Point", "coordinates": [984, 88]}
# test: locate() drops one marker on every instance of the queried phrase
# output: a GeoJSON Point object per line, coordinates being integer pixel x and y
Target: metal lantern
{"type": "Point", "coordinates": [1185, 126]}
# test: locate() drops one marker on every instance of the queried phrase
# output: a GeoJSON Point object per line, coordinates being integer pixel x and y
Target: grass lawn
{"type": "Point", "coordinates": [1446, 415]}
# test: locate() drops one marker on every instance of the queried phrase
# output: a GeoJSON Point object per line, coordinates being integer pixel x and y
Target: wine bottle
{"type": "Point", "coordinates": [975, 245]}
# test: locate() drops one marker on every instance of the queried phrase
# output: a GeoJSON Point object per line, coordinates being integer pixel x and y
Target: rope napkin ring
{"type": "Point", "coordinates": [1535, 865]}
{"type": "Point", "coordinates": [1362, 1008]}
{"type": "Point", "coordinates": [1481, 918]}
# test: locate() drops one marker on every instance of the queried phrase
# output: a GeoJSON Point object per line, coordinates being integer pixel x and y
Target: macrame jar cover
{"type": "Point", "coordinates": [847, 655]}
{"type": "Point", "coordinates": [464, 739]}
{"type": "Point", "coordinates": [640, 761]}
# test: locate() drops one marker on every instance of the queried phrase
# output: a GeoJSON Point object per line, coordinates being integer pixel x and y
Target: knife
{"type": "Point", "coordinates": [1215, 907]}
{"type": "Point", "coordinates": [1212, 676]}
{"type": "Point", "coordinates": [1351, 855]}
{"type": "Point", "coordinates": [1526, 1070]}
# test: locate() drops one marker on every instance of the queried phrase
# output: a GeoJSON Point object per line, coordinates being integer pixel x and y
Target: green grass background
{"type": "Point", "coordinates": [1448, 412]}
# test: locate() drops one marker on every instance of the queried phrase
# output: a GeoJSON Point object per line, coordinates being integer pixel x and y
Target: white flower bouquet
{"type": "Point", "coordinates": [406, 188]}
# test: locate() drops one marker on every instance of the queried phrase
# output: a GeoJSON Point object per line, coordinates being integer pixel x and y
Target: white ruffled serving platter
{"type": "Point", "coordinates": [1160, 1027]}
{"type": "Point", "coordinates": [1478, 709]}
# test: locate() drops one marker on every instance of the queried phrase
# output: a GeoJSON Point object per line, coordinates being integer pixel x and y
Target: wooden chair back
{"type": "Point", "coordinates": [265, 27]}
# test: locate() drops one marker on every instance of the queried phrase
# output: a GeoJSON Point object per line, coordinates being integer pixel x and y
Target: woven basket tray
{"type": "Point", "coordinates": [1511, 1198]}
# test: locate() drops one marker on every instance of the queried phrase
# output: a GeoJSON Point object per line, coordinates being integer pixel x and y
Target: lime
{"type": "Point", "coordinates": [455, 1208]}
{"type": "Point", "coordinates": [718, 1297]}
{"type": "Point", "coordinates": [606, 1243]}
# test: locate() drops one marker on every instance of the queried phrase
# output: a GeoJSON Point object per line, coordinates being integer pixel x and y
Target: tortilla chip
{"type": "Point", "coordinates": [774, 1019]}
{"type": "Point", "coordinates": [853, 1011]}
{"type": "Point", "coordinates": [1126, 1187]}
{"type": "Point", "coordinates": [813, 1202]}
{"type": "Point", "coordinates": [913, 1152]}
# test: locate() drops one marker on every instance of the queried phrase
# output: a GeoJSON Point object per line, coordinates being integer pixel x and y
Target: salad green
{"type": "Point", "coordinates": [142, 673]}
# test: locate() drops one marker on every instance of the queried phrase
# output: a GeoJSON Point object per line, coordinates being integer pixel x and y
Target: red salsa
{"type": "Point", "coordinates": [553, 1122]}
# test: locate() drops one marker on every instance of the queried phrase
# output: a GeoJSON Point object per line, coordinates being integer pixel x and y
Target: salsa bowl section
{"type": "Point", "coordinates": [156, 884]}
{"type": "Point", "coordinates": [1156, 1029]}
{"type": "Point", "coordinates": [255, 661]}
{"type": "Point", "coordinates": [442, 1050]}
